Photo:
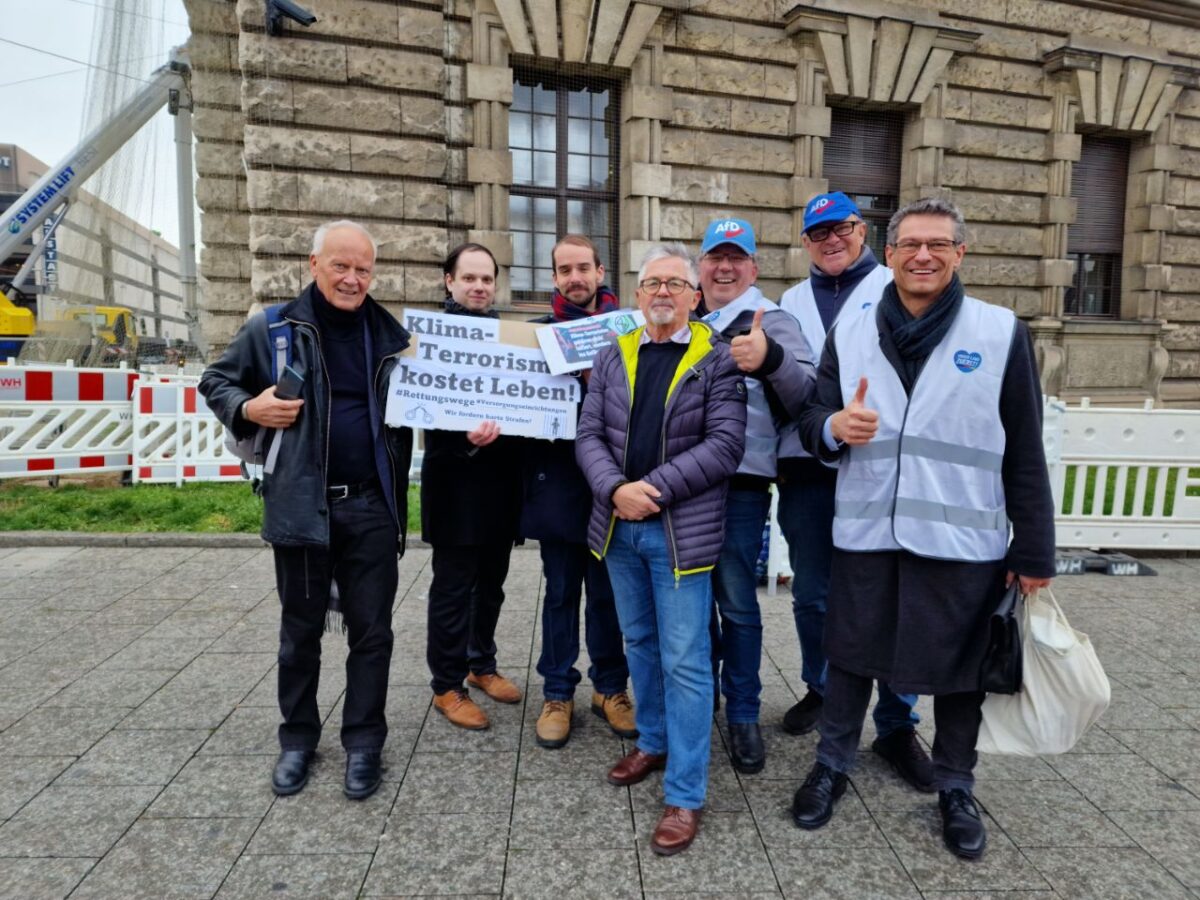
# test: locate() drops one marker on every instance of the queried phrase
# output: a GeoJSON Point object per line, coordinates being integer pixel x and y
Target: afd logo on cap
{"type": "Point", "coordinates": [967, 361]}
{"type": "Point", "coordinates": [728, 228]}
{"type": "Point", "coordinates": [820, 204]}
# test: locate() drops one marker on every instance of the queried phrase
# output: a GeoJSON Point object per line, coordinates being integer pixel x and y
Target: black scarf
{"type": "Point", "coordinates": [913, 337]}
{"type": "Point", "coordinates": [564, 310]}
{"type": "Point", "coordinates": [455, 308]}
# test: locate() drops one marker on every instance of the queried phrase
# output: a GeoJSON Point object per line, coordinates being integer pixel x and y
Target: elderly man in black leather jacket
{"type": "Point", "coordinates": [335, 502]}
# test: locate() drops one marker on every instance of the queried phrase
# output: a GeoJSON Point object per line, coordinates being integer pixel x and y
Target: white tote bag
{"type": "Point", "coordinates": [1064, 689]}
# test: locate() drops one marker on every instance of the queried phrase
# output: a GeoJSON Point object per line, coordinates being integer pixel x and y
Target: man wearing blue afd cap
{"type": "Point", "coordinates": [845, 275]}
{"type": "Point", "coordinates": [769, 349]}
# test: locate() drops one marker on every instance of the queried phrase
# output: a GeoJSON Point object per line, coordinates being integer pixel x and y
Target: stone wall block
{"type": "Point", "coordinates": [217, 89]}
{"type": "Point", "coordinates": [295, 148]}
{"type": "Point", "coordinates": [391, 68]}
{"type": "Point", "coordinates": [775, 228]}
{"type": "Point", "coordinates": [780, 83]}
{"type": "Point", "coordinates": [341, 195]}
{"type": "Point", "coordinates": [758, 190]}
{"type": "Point", "coordinates": [729, 151]}
{"type": "Point", "coordinates": [704, 113]}
{"type": "Point", "coordinates": [218, 159]}
{"type": "Point", "coordinates": [208, 52]}
{"type": "Point", "coordinates": [425, 243]}
{"type": "Point", "coordinates": [460, 207]}
{"type": "Point", "coordinates": [329, 106]}
{"type": "Point", "coordinates": [1004, 240]}
{"type": "Point", "coordinates": [804, 189]}
{"type": "Point", "coordinates": [1152, 157]}
{"type": "Point", "coordinates": [220, 326]}
{"type": "Point", "coordinates": [676, 223]}
{"type": "Point", "coordinates": [225, 262]}
{"type": "Point", "coordinates": [679, 70]}
{"type": "Point", "coordinates": [267, 190]}
{"type": "Point", "coordinates": [929, 132]}
{"type": "Point", "coordinates": [761, 118]}
{"type": "Point", "coordinates": [699, 186]}
{"type": "Point", "coordinates": [423, 284]}
{"type": "Point", "coordinates": [763, 42]}
{"type": "Point", "coordinates": [212, 124]}
{"type": "Point", "coordinates": [217, 228]}
{"type": "Point", "coordinates": [731, 76]}
{"type": "Point", "coordinates": [996, 75]}
{"type": "Point", "coordinates": [397, 156]}
{"type": "Point", "coordinates": [223, 295]}
{"type": "Point", "coordinates": [1055, 272]}
{"type": "Point", "coordinates": [1064, 146]}
{"type": "Point", "coordinates": [1059, 210]}
{"type": "Point", "coordinates": [268, 100]}
{"type": "Point", "coordinates": [982, 206]}
{"type": "Point", "coordinates": [273, 277]}
{"type": "Point", "coordinates": [979, 140]}
{"type": "Point", "coordinates": [423, 116]}
{"type": "Point", "coordinates": [286, 57]}
{"type": "Point", "coordinates": [459, 124]}
{"type": "Point", "coordinates": [704, 34]}
{"type": "Point", "coordinates": [679, 145]}
{"type": "Point", "coordinates": [1179, 307]}
{"type": "Point", "coordinates": [216, 16]}
{"type": "Point", "coordinates": [811, 120]}
{"type": "Point", "coordinates": [489, 83]}
{"type": "Point", "coordinates": [643, 101]}
{"type": "Point", "coordinates": [388, 283]}
{"type": "Point", "coordinates": [217, 193]}
{"type": "Point", "coordinates": [283, 235]}
{"type": "Point", "coordinates": [779, 157]}
{"type": "Point", "coordinates": [649, 180]}
{"type": "Point", "coordinates": [426, 200]}
{"type": "Point", "coordinates": [489, 166]}
{"type": "Point", "coordinates": [339, 19]}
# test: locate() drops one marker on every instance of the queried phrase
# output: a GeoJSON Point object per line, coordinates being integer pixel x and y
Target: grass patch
{"type": "Point", "coordinates": [210, 507]}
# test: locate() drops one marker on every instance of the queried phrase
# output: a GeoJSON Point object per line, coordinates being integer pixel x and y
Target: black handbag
{"type": "Point", "coordinates": [1000, 672]}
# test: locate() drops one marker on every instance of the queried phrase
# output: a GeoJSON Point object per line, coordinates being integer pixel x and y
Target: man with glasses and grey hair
{"type": "Point", "coordinates": [929, 400]}
{"type": "Point", "coordinates": [845, 275]}
{"type": "Point", "coordinates": [769, 349]}
{"type": "Point", "coordinates": [658, 460]}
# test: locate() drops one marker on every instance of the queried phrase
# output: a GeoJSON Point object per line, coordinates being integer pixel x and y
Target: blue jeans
{"type": "Point", "coordinates": [568, 567]}
{"type": "Point", "coordinates": [806, 520]}
{"type": "Point", "coordinates": [665, 622]}
{"type": "Point", "coordinates": [735, 585]}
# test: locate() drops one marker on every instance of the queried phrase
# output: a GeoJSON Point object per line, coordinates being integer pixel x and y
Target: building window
{"type": "Point", "coordinates": [563, 135]}
{"type": "Point", "coordinates": [862, 159]}
{"type": "Point", "coordinates": [1095, 241]}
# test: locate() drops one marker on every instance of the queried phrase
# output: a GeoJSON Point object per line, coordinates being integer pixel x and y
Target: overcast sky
{"type": "Point", "coordinates": [42, 93]}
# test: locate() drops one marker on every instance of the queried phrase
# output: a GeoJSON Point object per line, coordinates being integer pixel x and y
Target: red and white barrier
{"type": "Point", "coordinates": [175, 436]}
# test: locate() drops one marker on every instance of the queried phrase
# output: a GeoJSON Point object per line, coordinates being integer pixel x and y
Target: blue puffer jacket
{"type": "Point", "coordinates": [704, 433]}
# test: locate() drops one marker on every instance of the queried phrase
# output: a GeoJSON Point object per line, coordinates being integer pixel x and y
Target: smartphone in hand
{"type": "Point", "coordinates": [290, 383]}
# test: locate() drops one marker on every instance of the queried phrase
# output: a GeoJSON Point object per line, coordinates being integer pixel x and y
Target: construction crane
{"type": "Point", "coordinates": [49, 198]}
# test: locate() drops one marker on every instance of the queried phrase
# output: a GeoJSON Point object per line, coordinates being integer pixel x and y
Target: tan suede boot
{"type": "Point", "coordinates": [554, 724]}
{"type": "Point", "coordinates": [617, 711]}
{"type": "Point", "coordinates": [461, 710]}
{"type": "Point", "coordinates": [496, 686]}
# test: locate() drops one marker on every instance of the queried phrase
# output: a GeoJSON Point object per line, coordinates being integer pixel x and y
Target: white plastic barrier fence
{"type": "Point", "coordinates": [176, 438]}
{"type": "Point", "coordinates": [57, 420]}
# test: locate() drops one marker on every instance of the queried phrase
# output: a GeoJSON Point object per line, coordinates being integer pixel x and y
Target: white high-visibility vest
{"type": "Point", "coordinates": [930, 480]}
{"type": "Point", "coordinates": [800, 302]}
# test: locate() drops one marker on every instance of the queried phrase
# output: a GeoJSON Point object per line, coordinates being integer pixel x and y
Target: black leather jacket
{"type": "Point", "coordinates": [296, 512]}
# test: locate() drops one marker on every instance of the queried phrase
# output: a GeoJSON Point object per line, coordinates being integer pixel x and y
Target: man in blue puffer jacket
{"type": "Point", "coordinates": [662, 430]}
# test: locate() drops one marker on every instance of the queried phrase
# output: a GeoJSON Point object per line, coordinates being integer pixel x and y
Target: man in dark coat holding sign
{"type": "Point", "coordinates": [555, 513]}
{"type": "Point", "coordinates": [930, 402]}
{"type": "Point", "coordinates": [470, 505]}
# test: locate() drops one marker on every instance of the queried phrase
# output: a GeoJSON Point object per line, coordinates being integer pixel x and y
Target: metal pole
{"type": "Point", "coordinates": [187, 226]}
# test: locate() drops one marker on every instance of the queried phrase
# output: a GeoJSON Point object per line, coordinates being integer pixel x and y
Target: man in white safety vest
{"type": "Point", "coordinates": [930, 402]}
{"type": "Point", "coordinates": [845, 276]}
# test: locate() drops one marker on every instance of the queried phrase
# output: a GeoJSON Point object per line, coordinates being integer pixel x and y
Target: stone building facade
{"type": "Point", "coordinates": [403, 114]}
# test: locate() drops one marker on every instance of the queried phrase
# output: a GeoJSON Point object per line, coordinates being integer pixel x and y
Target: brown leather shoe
{"type": "Point", "coordinates": [675, 831]}
{"type": "Point", "coordinates": [461, 710]}
{"type": "Point", "coordinates": [496, 686]}
{"type": "Point", "coordinates": [635, 766]}
{"type": "Point", "coordinates": [554, 724]}
{"type": "Point", "coordinates": [617, 711]}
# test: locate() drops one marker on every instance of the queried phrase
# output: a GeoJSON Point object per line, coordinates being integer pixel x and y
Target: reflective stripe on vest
{"type": "Point", "coordinates": [930, 480]}
{"type": "Point", "coordinates": [800, 302]}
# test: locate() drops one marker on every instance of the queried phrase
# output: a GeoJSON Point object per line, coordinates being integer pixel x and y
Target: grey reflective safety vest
{"type": "Point", "coordinates": [930, 481]}
{"type": "Point", "coordinates": [762, 439]}
{"type": "Point", "coordinates": [800, 302]}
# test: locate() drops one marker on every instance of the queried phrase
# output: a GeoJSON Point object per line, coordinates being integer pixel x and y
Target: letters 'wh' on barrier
{"type": "Point", "coordinates": [59, 420]}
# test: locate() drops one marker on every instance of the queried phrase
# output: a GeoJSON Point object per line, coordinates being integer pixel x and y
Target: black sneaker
{"type": "Point", "coordinates": [908, 758]}
{"type": "Point", "coordinates": [962, 826]}
{"type": "Point", "coordinates": [805, 715]}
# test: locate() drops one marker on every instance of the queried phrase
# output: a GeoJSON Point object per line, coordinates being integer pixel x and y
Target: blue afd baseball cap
{"type": "Point", "coordinates": [729, 231]}
{"type": "Point", "coordinates": [829, 208]}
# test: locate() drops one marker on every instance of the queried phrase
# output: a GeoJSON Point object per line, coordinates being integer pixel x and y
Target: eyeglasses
{"type": "Point", "coordinates": [733, 259]}
{"type": "Point", "coordinates": [675, 286]}
{"type": "Point", "coordinates": [908, 248]}
{"type": "Point", "coordinates": [841, 229]}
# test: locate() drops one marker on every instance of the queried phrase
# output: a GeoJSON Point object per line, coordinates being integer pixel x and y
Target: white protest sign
{"type": "Point", "coordinates": [572, 346]}
{"type": "Point", "coordinates": [470, 328]}
{"type": "Point", "coordinates": [453, 384]}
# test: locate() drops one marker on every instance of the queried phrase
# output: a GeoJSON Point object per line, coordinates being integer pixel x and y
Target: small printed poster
{"type": "Point", "coordinates": [572, 346]}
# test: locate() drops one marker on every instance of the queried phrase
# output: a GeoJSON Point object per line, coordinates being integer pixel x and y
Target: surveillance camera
{"type": "Point", "coordinates": [278, 9]}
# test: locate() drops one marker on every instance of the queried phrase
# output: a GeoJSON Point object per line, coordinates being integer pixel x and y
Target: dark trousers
{"type": "Point", "coordinates": [956, 718]}
{"type": "Point", "coordinates": [362, 558]}
{"type": "Point", "coordinates": [568, 568]}
{"type": "Point", "coordinates": [464, 603]}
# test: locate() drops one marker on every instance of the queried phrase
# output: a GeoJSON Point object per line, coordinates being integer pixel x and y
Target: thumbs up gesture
{"type": "Point", "coordinates": [749, 351]}
{"type": "Point", "coordinates": [855, 424]}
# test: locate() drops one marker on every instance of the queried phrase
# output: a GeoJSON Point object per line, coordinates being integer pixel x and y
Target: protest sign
{"type": "Point", "coordinates": [571, 346]}
{"type": "Point", "coordinates": [453, 384]}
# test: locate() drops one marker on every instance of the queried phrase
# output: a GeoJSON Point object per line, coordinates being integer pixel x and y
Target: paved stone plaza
{"type": "Point", "coordinates": [137, 732]}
